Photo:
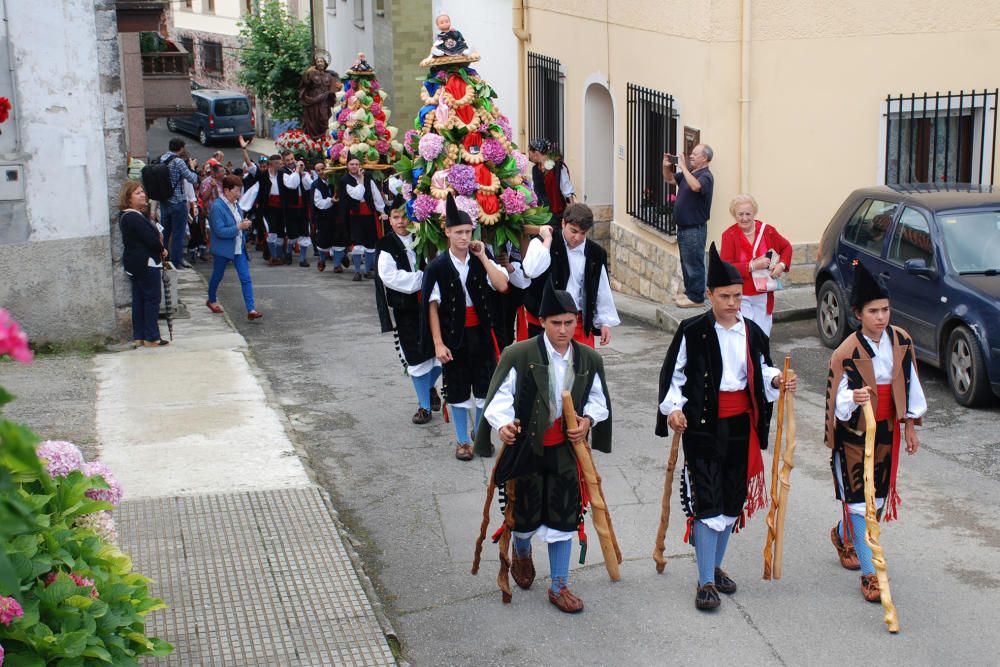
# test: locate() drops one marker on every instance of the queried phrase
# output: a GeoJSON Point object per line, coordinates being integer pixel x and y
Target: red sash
{"type": "Point", "coordinates": [363, 209]}
{"type": "Point", "coordinates": [886, 411]}
{"type": "Point", "coordinates": [299, 202]}
{"type": "Point", "coordinates": [274, 201]}
{"type": "Point", "coordinates": [472, 320]}
{"type": "Point", "coordinates": [554, 436]}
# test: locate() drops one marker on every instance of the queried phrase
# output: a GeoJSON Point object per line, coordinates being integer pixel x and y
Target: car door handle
{"type": "Point", "coordinates": [884, 276]}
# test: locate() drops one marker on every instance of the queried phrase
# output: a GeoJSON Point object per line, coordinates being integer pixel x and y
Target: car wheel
{"type": "Point", "coordinates": [967, 369]}
{"type": "Point", "coordinates": [171, 125]}
{"type": "Point", "coordinates": [831, 314]}
{"type": "Point", "coordinates": [202, 137]}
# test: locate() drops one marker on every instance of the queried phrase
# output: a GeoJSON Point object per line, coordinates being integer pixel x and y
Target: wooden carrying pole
{"type": "Point", "coordinates": [599, 514]}
{"type": "Point", "coordinates": [775, 497]}
{"type": "Point", "coordinates": [787, 463]}
{"type": "Point", "coordinates": [871, 522]}
{"type": "Point", "coordinates": [668, 484]}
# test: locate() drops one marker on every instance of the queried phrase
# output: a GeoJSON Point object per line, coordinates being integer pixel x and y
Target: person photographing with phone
{"type": "Point", "coordinates": [692, 209]}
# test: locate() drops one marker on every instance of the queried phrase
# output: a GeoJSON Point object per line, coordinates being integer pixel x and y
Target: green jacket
{"type": "Point", "coordinates": [531, 404]}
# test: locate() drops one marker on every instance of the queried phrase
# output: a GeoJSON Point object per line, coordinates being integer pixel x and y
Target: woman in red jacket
{"type": "Point", "coordinates": [749, 245]}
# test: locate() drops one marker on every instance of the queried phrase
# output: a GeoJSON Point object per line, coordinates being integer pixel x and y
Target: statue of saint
{"type": "Point", "coordinates": [317, 92]}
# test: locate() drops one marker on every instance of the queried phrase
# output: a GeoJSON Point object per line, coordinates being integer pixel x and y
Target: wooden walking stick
{"type": "Point", "coordinates": [786, 480]}
{"type": "Point", "coordinates": [600, 515]}
{"type": "Point", "coordinates": [871, 522]}
{"type": "Point", "coordinates": [776, 456]}
{"type": "Point", "coordinates": [668, 484]}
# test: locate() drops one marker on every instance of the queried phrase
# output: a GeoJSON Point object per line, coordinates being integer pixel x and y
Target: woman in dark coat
{"type": "Point", "coordinates": [142, 259]}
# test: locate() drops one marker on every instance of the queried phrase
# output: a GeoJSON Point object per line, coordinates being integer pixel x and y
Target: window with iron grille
{"type": "Point", "coordinates": [651, 132]}
{"type": "Point", "coordinates": [188, 44]}
{"type": "Point", "coordinates": [545, 99]}
{"type": "Point", "coordinates": [211, 57]}
{"type": "Point", "coordinates": [940, 138]}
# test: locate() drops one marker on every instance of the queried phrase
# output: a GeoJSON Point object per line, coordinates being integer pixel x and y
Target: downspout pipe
{"type": "Point", "coordinates": [519, 24]}
{"type": "Point", "coordinates": [745, 6]}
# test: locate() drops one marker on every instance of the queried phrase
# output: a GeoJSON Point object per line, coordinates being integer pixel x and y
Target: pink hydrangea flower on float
{"type": "Point", "coordinates": [102, 523]}
{"type": "Point", "coordinates": [469, 205]}
{"type": "Point", "coordinates": [407, 191]}
{"type": "Point", "coordinates": [513, 201]}
{"type": "Point", "coordinates": [13, 341]}
{"type": "Point", "coordinates": [523, 163]}
{"type": "Point", "coordinates": [504, 124]}
{"type": "Point", "coordinates": [61, 457]}
{"type": "Point", "coordinates": [431, 145]}
{"type": "Point", "coordinates": [493, 151]}
{"type": "Point", "coordinates": [9, 610]}
{"type": "Point", "coordinates": [382, 146]}
{"type": "Point", "coordinates": [343, 116]}
{"type": "Point", "coordinates": [462, 178]}
{"type": "Point", "coordinates": [424, 206]}
{"type": "Point", "coordinates": [112, 494]}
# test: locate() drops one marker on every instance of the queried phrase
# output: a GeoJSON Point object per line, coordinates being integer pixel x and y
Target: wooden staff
{"type": "Point", "coordinates": [485, 523]}
{"type": "Point", "coordinates": [776, 456]}
{"type": "Point", "coordinates": [508, 517]}
{"type": "Point", "coordinates": [600, 515]}
{"type": "Point", "coordinates": [786, 480]}
{"type": "Point", "coordinates": [871, 522]}
{"type": "Point", "coordinates": [668, 484]}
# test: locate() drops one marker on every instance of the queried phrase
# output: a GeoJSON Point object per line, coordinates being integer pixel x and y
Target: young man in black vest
{"type": "Point", "coordinates": [570, 262]}
{"type": "Point", "coordinates": [397, 287]}
{"type": "Point", "coordinates": [293, 188]}
{"type": "Point", "coordinates": [716, 387]}
{"type": "Point", "coordinates": [331, 228]}
{"type": "Point", "coordinates": [364, 211]}
{"type": "Point", "coordinates": [525, 406]}
{"type": "Point", "coordinates": [269, 204]}
{"type": "Point", "coordinates": [459, 322]}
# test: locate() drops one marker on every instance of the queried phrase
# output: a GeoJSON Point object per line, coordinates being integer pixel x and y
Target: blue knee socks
{"type": "Point", "coordinates": [434, 375]}
{"type": "Point", "coordinates": [860, 544]}
{"type": "Point", "coordinates": [422, 385]}
{"type": "Point", "coordinates": [369, 261]}
{"type": "Point", "coordinates": [559, 553]}
{"type": "Point", "coordinates": [460, 416]}
{"type": "Point", "coordinates": [356, 258]}
{"type": "Point", "coordinates": [522, 547]}
{"type": "Point", "coordinates": [336, 256]}
{"type": "Point", "coordinates": [303, 253]}
{"type": "Point", "coordinates": [706, 543]}
{"type": "Point", "coordinates": [720, 547]}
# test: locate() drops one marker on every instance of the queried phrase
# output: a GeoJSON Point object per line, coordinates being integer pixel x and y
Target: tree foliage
{"type": "Point", "coordinates": [275, 50]}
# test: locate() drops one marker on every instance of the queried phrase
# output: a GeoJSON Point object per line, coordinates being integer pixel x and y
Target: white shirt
{"type": "Point", "coordinates": [292, 180]}
{"type": "Point", "coordinates": [321, 202]}
{"type": "Point", "coordinates": [249, 197]}
{"type": "Point", "coordinates": [407, 282]}
{"type": "Point", "coordinates": [192, 198]}
{"type": "Point", "coordinates": [537, 261]}
{"type": "Point", "coordinates": [238, 249]}
{"type": "Point", "coordinates": [357, 192]}
{"type": "Point", "coordinates": [463, 274]}
{"type": "Point", "coordinates": [500, 411]}
{"type": "Point", "coordinates": [565, 186]}
{"type": "Point", "coordinates": [733, 346]}
{"type": "Point", "coordinates": [882, 365]}
{"type": "Point", "coordinates": [308, 178]}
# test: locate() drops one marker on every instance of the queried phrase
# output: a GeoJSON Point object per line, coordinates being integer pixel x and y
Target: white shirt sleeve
{"type": "Point", "coordinates": [435, 294]}
{"type": "Point", "coordinates": [607, 314]}
{"type": "Point", "coordinates": [675, 400]}
{"type": "Point", "coordinates": [356, 192]}
{"type": "Point", "coordinates": [379, 201]}
{"type": "Point", "coordinates": [321, 203]}
{"type": "Point", "coordinates": [250, 167]}
{"type": "Point", "coordinates": [845, 404]}
{"type": "Point", "coordinates": [248, 197]}
{"type": "Point", "coordinates": [596, 406]}
{"type": "Point", "coordinates": [192, 198]}
{"type": "Point", "coordinates": [308, 178]}
{"type": "Point", "coordinates": [500, 411]}
{"type": "Point", "coordinates": [565, 186]}
{"type": "Point", "coordinates": [536, 260]}
{"type": "Point", "coordinates": [291, 180]}
{"type": "Point", "coordinates": [407, 282]}
{"type": "Point", "coordinates": [916, 399]}
{"type": "Point", "coordinates": [769, 373]}
{"type": "Point", "coordinates": [517, 278]}
{"type": "Point", "coordinates": [489, 281]}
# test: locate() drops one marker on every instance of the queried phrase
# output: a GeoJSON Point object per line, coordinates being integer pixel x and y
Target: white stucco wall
{"type": "Point", "coordinates": [486, 26]}
{"type": "Point", "coordinates": [61, 118]}
{"type": "Point", "coordinates": [344, 39]}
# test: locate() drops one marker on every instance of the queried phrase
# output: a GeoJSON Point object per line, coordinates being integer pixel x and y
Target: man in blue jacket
{"type": "Point", "coordinates": [228, 224]}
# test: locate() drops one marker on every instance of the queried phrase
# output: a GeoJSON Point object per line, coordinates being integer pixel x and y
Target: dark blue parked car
{"type": "Point", "coordinates": [937, 249]}
{"type": "Point", "coordinates": [219, 114]}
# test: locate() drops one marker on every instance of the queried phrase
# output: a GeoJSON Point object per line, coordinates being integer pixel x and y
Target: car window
{"type": "Point", "coordinates": [870, 224]}
{"type": "Point", "coordinates": [236, 106]}
{"type": "Point", "coordinates": [911, 239]}
{"type": "Point", "coordinates": [971, 240]}
{"type": "Point", "coordinates": [202, 104]}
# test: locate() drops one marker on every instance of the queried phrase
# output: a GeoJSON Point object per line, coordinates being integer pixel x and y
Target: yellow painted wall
{"type": "Point", "coordinates": [819, 75]}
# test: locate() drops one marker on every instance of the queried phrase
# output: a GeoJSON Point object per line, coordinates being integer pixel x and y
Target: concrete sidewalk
{"type": "Point", "coordinates": [797, 303]}
{"type": "Point", "coordinates": [220, 511]}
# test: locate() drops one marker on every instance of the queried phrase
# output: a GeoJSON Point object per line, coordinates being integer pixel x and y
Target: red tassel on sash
{"type": "Point", "coordinates": [885, 410]}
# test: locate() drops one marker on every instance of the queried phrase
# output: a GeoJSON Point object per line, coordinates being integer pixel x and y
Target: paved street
{"type": "Point", "coordinates": [158, 136]}
{"type": "Point", "coordinates": [414, 512]}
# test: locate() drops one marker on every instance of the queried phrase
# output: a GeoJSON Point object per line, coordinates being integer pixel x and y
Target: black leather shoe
{"type": "Point", "coordinates": [723, 582]}
{"type": "Point", "coordinates": [356, 278]}
{"type": "Point", "coordinates": [707, 598]}
{"type": "Point", "coordinates": [304, 265]}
